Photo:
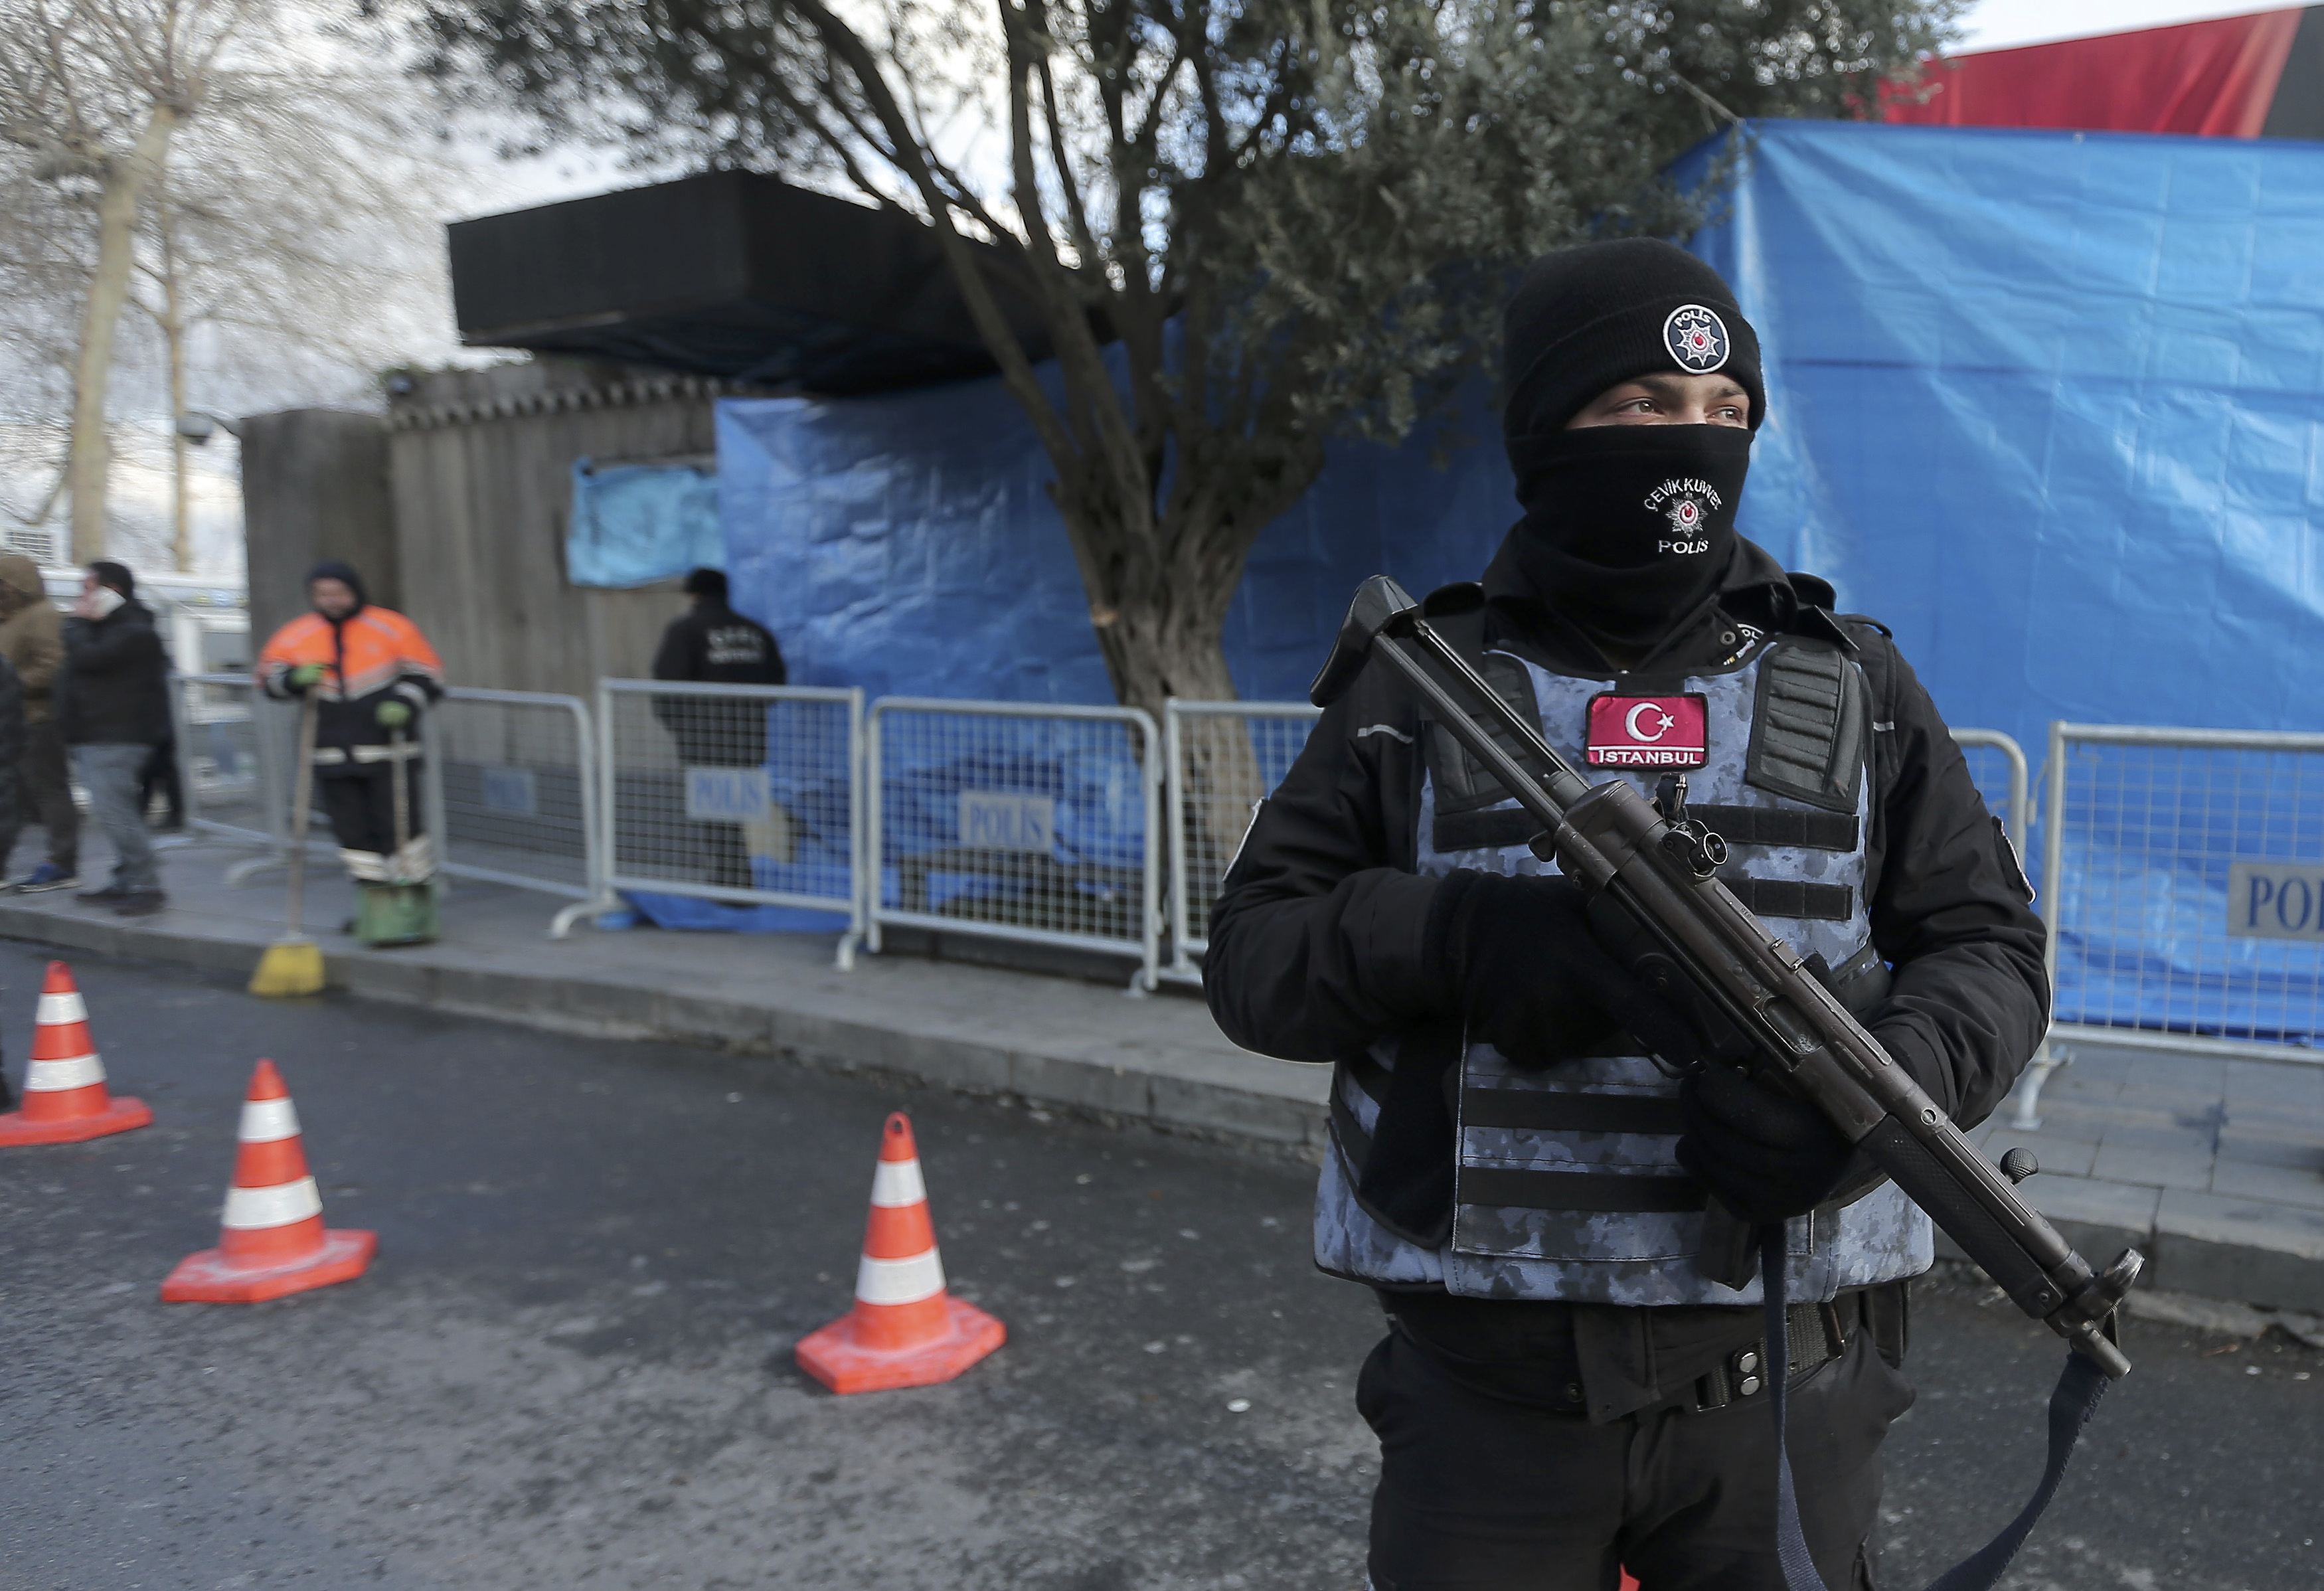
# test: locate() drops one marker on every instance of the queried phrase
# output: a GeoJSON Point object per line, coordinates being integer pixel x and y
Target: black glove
{"type": "Point", "coordinates": [1522, 966]}
{"type": "Point", "coordinates": [1767, 1155]}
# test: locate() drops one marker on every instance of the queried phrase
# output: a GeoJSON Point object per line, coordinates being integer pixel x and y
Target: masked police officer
{"type": "Point", "coordinates": [1563, 1387]}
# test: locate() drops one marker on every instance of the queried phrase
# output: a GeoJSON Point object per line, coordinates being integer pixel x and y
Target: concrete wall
{"type": "Point", "coordinates": [314, 485]}
{"type": "Point", "coordinates": [480, 465]}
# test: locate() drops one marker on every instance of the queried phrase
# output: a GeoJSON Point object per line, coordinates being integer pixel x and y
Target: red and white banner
{"type": "Point", "coordinates": [2229, 77]}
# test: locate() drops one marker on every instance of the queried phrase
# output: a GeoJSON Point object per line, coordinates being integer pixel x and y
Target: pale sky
{"type": "Point", "coordinates": [1998, 25]}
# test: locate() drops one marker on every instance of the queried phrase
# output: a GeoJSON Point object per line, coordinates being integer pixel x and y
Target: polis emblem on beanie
{"type": "Point", "coordinates": [1697, 338]}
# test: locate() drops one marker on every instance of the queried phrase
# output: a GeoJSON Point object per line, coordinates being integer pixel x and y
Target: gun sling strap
{"type": "Point", "coordinates": [2072, 1404]}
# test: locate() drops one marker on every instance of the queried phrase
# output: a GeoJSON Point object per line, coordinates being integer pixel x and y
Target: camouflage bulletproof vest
{"type": "Point", "coordinates": [1567, 1186]}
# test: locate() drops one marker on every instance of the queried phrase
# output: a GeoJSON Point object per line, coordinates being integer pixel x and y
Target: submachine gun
{"type": "Point", "coordinates": [1656, 870]}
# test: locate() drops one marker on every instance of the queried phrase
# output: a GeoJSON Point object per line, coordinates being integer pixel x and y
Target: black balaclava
{"type": "Point", "coordinates": [1626, 528]}
{"type": "Point", "coordinates": [331, 568]}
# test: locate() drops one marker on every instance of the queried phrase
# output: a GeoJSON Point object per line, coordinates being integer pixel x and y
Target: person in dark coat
{"type": "Point", "coordinates": [113, 708]}
{"type": "Point", "coordinates": [32, 639]}
{"type": "Point", "coordinates": [711, 643]}
{"type": "Point", "coordinates": [1523, 1178]}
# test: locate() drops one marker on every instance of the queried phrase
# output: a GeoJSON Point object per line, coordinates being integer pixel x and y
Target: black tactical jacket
{"type": "Point", "coordinates": [716, 645]}
{"type": "Point", "coordinates": [1316, 937]}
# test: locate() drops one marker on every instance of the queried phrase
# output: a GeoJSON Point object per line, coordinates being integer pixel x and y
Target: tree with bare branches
{"type": "Point", "coordinates": [91, 94]}
{"type": "Point", "coordinates": [281, 246]}
{"type": "Point", "coordinates": [296, 237]}
{"type": "Point", "coordinates": [1293, 216]}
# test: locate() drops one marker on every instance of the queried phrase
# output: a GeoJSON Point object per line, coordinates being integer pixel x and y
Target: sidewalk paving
{"type": "Point", "coordinates": [2214, 1167]}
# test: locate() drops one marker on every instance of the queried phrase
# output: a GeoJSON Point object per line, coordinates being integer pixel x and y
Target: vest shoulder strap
{"type": "Point", "coordinates": [1812, 725]}
{"type": "Point", "coordinates": [1462, 784]}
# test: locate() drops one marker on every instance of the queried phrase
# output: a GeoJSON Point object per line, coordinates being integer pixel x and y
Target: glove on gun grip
{"type": "Point", "coordinates": [1730, 1252]}
{"type": "Point", "coordinates": [1668, 1014]}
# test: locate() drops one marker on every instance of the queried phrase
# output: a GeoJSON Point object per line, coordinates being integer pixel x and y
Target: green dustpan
{"type": "Point", "coordinates": [395, 914]}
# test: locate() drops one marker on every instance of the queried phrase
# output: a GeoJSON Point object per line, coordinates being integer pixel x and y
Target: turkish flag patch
{"type": "Point", "coordinates": [1648, 732]}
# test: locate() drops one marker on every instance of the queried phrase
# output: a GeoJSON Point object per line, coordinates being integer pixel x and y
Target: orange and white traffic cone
{"type": "Point", "coordinates": [905, 1329]}
{"type": "Point", "coordinates": [65, 1097]}
{"type": "Point", "coordinates": [272, 1241]}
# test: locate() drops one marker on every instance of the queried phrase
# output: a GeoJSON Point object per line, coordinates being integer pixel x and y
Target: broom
{"type": "Point", "coordinates": [293, 963]}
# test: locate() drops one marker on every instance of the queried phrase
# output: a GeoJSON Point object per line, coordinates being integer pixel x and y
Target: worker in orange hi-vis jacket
{"type": "Point", "coordinates": [371, 673]}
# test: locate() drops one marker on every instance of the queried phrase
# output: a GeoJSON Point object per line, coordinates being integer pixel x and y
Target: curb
{"type": "Point", "coordinates": [1281, 1113]}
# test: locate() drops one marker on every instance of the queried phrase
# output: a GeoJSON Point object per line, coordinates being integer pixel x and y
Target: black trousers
{"type": "Point", "coordinates": [362, 806]}
{"type": "Point", "coordinates": [161, 774]}
{"type": "Point", "coordinates": [44, 794]}
{"type": "Point", "coordinates": [1480, 1493]}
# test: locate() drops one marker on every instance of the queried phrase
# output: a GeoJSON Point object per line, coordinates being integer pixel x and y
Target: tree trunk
{"type": "Point", "coordinates": [173, 336]}
{"type": "Point", "coordinates": [90, 461]}
{"type": "Point", "coordinates": [1161, 645]}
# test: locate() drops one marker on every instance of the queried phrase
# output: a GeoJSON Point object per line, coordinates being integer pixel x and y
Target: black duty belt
{"type": "Point", "coordinates": [1816, 1335]}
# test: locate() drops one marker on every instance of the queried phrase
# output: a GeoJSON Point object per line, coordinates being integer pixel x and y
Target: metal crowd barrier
{"type": "Point", "coordinates": [510, 790]}
{"type": "Point", "coordinates": [513, 782]}
{"type": "Point", "coordinates": [1222, 759]}
{"type": "Point", "coordinates": [740, 793]}
{"type": "Point", "coordinates": [2184, 890]}
{"type": "Point", "coordinates": [2010, 796]}
{"type": "Point", "coordinates": [1017, 822]}
{"type": "Point", "coordinates": [237, 751]}
{"type": "Point", "coordinates": [228, 759]}
{"type": "Point", "coordinates": [1043, 824]}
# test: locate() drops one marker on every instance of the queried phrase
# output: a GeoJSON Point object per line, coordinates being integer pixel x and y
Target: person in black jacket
{"type": "Point", "coordinates": [1515, 1165]}
{"type": "Point", "coordinates": [113, 708]}
{"type": "Point", "coordinates": [711, 643]}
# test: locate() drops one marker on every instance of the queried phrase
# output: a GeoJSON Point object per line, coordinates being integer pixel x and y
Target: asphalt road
{"type": "Point", "coordinates": [570, 1365]}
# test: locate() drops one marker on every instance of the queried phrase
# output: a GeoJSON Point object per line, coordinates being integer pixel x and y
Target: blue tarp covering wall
{"type": "Point", "coordinates": [2052, 405]}
{"type": "Point", "coordinates": [2049, 404]}
{"type": "Point", "coordinates": [908, 545]}
{"type": "Point", "coordinates": [2037, 399]}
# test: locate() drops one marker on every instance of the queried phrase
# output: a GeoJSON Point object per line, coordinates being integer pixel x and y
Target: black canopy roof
{"type": "Point", "coordinates": [729, 274]}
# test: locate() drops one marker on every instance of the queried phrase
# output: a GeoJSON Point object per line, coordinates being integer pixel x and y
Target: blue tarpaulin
{"type": "Point", "coordinates": [2051, 405]}
{"type": "Point", "coordinates": [636, 524]}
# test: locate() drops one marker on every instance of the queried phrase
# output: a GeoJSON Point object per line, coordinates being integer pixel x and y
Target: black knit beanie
{"type": "Point", "coordinates": [1589, 317]}
{"type": "Point", "coordinates": [332, 568]}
